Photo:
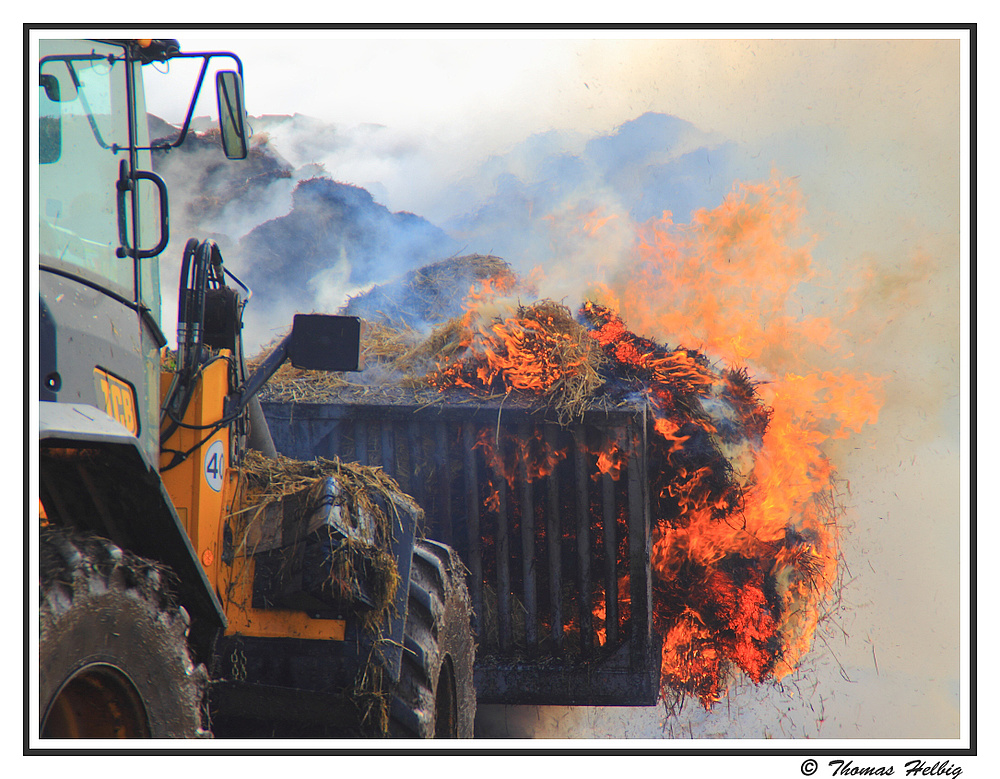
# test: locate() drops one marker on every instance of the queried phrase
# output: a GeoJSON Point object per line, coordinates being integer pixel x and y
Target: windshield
{"type": "Point", "coordinates": [83, 138]}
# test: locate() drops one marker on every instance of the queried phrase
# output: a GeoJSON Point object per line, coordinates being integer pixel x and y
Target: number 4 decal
{"type": "Point", "coordinates": [215, 465]}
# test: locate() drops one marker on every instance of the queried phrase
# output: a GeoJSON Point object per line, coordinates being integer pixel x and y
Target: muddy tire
{"type": "Point", "coordinates": [113, 652]}
{"type": "Point", "coordinates": [436, 696]}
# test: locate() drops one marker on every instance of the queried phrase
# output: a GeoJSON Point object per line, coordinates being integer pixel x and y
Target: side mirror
{"type": "Point", "coordinates": [322, 342]}
{"type": "Point", "coordinates": [232, 115]}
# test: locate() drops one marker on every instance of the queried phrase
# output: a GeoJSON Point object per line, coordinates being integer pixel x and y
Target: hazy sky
{"type": "Point", "coordinates": [870, 122]}
{"type": "Point", "coordinates": [455, 97]}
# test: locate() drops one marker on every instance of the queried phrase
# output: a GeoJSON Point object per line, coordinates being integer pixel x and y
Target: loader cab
{"type": "Point", "coordinates": [103, 221]}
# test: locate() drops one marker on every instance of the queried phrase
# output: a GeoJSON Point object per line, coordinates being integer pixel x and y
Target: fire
{"type": "Point", "coordinates": [744, 538]}
{"type": "Point", "coordinates": [536, 349]}
{"type": "Point", "coordinates": [517, 458]}
{"type": "Point", "coordinates": [726, 282]}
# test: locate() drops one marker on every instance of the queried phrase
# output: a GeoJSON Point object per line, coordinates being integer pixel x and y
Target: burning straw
{"type": "Point", "coordinates": [739, 576]}
{"type": "Point", "coordinates": [541, 350]}
{"type": "Point", "coordinates": [740, 566]}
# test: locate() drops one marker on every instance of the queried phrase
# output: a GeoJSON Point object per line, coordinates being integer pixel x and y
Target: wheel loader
{"type": "Point", "coordinates": [162, 612]}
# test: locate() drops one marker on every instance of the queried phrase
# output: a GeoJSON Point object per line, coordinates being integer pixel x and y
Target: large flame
{"type": "Point", "coordinates": [745, 537]}
{"type": "Point", "coordinates": [732, 282]}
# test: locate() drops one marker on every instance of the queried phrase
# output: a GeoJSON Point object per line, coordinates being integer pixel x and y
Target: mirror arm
{"type": "Point", "coordinates": [236, 403]}
{"type": "Point", "coordinates": [206, 57]}
{"type": "Point", "coordinates": [190, 114]}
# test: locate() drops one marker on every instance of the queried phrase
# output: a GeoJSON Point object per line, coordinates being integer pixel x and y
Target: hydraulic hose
{"type": "Point", "coordinates": [195, 262]}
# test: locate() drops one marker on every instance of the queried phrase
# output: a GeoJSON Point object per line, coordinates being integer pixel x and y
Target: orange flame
{"type": "Point", "coordinates": [727, 282]}
{"type": "Point", "coordinates": [745, 544]}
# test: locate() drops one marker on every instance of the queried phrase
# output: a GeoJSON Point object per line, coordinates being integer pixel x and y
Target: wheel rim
{"type": "Point", "coordinates": [446, 703]}
{"type": "Point", "coordinates": [99, 701]}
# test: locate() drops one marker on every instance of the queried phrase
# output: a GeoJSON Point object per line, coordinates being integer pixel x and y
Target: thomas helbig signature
{"type": "Point", "coordinates": [911, 768]}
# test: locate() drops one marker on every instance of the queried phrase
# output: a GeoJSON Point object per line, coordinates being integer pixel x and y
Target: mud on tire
{"type": "Point", "coordinates": [113, 653]}
{"type": "Point", "coordinates": [436, 696]}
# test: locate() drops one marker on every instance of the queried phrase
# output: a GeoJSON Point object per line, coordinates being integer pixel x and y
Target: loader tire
{"type": "Point", "coordinates": [436, 695]}
{"type": "Point", "coordinates": [113, 653]}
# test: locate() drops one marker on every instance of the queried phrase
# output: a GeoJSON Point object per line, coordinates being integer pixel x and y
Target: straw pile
{"type": "Point", "coordinates": [541, 350]}
{"type": "Point", "coordinates": [431, 294]}
{"type": "Point", "coordinates": [362, 490]}
{"type": "Point", "coordinates": [409, 326]}
{"type": "Point", "coordinates": [382, 348]}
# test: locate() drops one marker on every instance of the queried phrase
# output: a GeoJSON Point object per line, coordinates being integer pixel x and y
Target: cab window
{"type": "Point", "coordinates": [83, 134]}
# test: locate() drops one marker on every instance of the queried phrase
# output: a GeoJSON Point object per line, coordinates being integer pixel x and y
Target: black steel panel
{"type": "Point", "coordinates": [503, 565]}
{"type": "Point", "coordinates": [606, 681]}
{"type": "Point", "coordinates": [583, 550]}
{"type": "Point", "coordinates": [472, 514]}
{"type": "Point", "coordinates": [538, 555]}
